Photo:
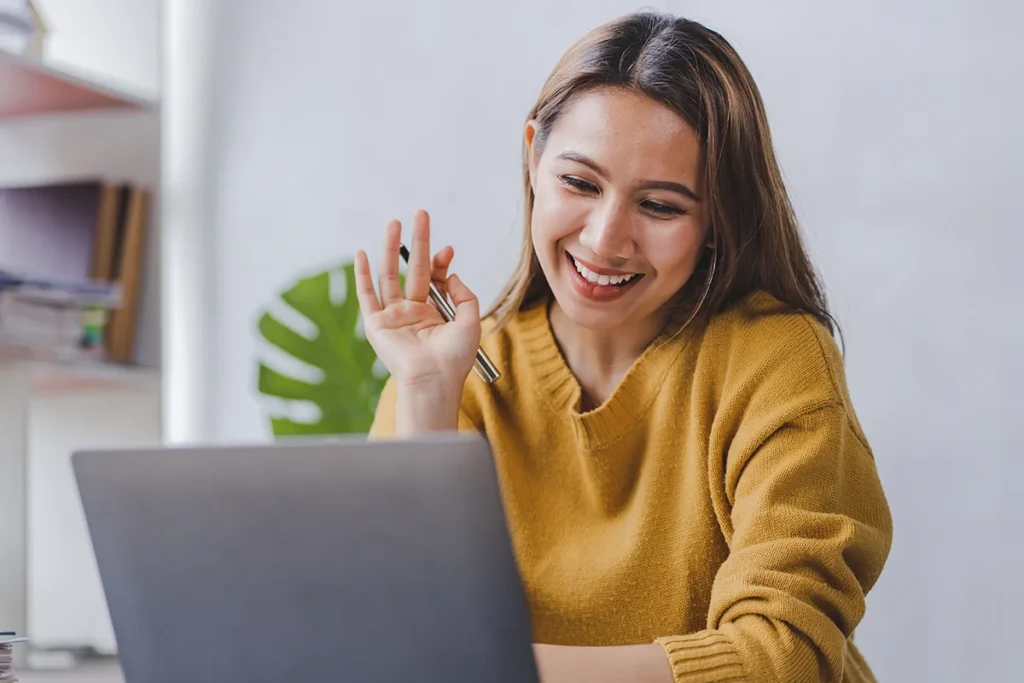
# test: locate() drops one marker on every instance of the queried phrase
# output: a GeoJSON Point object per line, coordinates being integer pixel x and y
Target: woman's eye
{"type": "Point", "coordinates": [662, 209]}
{"type": "Point", "coordinates": [578, 184]}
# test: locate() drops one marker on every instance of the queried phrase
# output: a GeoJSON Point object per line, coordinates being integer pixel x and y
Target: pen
{"type": "Point", "coordinates": [483, 365]}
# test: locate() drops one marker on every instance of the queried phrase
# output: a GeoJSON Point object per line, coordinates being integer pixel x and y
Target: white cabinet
{"type": "Point", "coordinates": [51, 589]}
{"type": "Point", "coordinates": [66, 605]}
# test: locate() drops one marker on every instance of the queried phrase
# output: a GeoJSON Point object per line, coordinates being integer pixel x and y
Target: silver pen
{"type": "Point", "coordinates": [483, 365]}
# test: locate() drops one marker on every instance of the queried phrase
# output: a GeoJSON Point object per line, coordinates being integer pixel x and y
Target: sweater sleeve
{"type": "Point", "coordinates": [809, 530]}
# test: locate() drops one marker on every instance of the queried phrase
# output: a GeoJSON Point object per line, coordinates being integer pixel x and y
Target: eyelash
{"type": "Point", "coordinates": [585, 187]}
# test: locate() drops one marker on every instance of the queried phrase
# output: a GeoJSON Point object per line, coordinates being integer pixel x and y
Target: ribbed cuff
{"type": "Point", "coordinates": [705, 657]}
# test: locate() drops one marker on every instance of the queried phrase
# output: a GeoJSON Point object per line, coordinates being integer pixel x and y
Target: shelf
{"type": "Point", "coordinates": [51, 378]}
{"type": "Point", "coordinates": [54, 377]}
{"type": "Point", "coordinates": [29, 87]}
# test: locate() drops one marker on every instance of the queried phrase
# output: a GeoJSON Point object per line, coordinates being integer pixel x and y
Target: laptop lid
{"type": "Point", "coordinates": [344, 560]}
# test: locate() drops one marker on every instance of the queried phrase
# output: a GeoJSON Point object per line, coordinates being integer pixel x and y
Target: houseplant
{"type": "Point", "coordinates": [351, 381]}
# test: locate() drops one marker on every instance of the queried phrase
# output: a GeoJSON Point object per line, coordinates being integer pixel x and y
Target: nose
{"type": "Point", "coordinates": [608, 233]}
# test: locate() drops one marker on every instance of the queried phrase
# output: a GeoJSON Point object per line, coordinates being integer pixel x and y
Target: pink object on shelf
{"type": "Point", "coordinates": [28, 87]}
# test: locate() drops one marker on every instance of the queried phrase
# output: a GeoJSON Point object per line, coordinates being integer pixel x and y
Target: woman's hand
{"type": "Point", "coordinates": [603, 664]}
{"type": "Point", "coordinates": [428, 357]}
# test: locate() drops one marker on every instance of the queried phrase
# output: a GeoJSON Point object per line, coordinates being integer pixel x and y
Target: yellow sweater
{"type": "Point", "coordinates": [723, 502]}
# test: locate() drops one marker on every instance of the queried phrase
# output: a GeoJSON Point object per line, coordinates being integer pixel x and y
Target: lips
{"type": "Point", "coordinates": [600, 279]}
{"type": "Point", "coordinates": [599, 284]}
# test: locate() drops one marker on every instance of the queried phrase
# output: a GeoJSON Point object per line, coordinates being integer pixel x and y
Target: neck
{"type": "Point", "coordinates": [600, 358]}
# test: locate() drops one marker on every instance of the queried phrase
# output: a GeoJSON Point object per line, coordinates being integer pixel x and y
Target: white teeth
{"type": "Point", "coordinates": [591, 276]}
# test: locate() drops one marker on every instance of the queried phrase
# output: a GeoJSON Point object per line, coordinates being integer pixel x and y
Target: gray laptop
{"type": "Point", "coordinates": [340, 560]}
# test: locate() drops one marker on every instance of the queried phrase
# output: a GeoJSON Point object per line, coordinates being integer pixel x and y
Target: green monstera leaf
{"type": "Point", "coordinates": [350, 387]}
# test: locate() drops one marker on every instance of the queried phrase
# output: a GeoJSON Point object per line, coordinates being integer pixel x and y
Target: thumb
{"type": "Point", "coordinates": [467, 308]}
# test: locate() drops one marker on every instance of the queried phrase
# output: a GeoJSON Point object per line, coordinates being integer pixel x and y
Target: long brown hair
{"type": "Point", "coordinates": [697, 73]}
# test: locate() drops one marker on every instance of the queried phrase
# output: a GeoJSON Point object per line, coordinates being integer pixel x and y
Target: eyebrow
{"type": "Point", "coordinates": [678, 188]}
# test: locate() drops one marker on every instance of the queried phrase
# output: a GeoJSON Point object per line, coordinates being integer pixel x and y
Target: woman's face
{"type": "Point", "coordinates": [618, 220]}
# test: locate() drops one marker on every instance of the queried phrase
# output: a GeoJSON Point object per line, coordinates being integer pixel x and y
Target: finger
{"type": "Point", "coordinates": [439, 265]}
{"type": "Point", "coordinates": [467, 308]}
{"type": "Point", "coordinates": [365, 293]}
{"type": "Point", "coordinates": [389, 281]}
{"type": "Point", "coordinates": [417, 277]}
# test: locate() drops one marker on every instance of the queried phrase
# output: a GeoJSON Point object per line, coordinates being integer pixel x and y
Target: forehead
{"type": "Point", "coordinates": [630, 135]}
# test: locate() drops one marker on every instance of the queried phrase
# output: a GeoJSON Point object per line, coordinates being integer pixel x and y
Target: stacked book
{"type": "Point", "coordinates": [54, 320]}
{"type": "Point", "coordinates": [7, 641]}
{"type": "Point", "coordinates": [71, 269]}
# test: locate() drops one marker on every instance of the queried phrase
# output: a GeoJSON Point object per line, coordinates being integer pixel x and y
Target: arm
{"type": "Point", "coordinates": [420, 410]}
{"type": "Point", "coordinates": [426, 408]}
{"type": "Point", "coordinates": [809, 531]}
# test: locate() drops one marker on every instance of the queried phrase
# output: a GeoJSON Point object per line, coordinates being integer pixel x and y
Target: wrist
{"type": "Point", "coordinates": [435, 388]}
{"type": "Point", "coordinates": [423, 407]}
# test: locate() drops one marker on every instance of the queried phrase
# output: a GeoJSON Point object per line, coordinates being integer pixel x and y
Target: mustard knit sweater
{"type": "Point", "coordinates": [723, 502]}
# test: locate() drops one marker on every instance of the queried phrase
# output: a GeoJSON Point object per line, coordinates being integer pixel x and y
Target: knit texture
{"type": "Point", "coordinates": [722, 502]}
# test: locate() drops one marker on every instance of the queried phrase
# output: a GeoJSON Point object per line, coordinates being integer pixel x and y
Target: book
{"type": "Point", "coordinates": [71, 268]}
{"type": "Point", "coordinates": [128, 263]}
{"type": "Point", "coordinates": [7, 642]}
{"type": "Point", "coordinates": [48, 319]}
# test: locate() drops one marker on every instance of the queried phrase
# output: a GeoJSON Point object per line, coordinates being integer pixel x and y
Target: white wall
{"type": "Point", "coordinates": [898, 128]}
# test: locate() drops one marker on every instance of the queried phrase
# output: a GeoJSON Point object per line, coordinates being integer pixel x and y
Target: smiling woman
{"type": "Point", "coordinates": [688, 489]}
{"type": "Point", "coordinates": [611, 182]}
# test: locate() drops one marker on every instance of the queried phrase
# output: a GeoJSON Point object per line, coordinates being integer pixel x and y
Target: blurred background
{"type": "Point", "coordinates": [169, 170]}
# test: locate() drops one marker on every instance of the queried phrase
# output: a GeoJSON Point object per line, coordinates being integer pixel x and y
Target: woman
{"type": "Point", "coordinates": [689, 493]}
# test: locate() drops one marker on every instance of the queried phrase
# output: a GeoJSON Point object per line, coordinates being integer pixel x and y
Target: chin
{"type": "Point", "coordinates": [605, 319]}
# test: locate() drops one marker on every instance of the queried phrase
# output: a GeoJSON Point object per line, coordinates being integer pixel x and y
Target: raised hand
{"type": "Point", "coordinates": [419, 348]}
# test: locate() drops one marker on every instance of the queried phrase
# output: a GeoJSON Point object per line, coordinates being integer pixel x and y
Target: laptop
{"type": "Point", "coordinates": [334, 560]}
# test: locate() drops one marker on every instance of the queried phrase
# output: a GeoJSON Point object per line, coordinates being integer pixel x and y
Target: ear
{"type": "Point", "coordinates": [530, 136]}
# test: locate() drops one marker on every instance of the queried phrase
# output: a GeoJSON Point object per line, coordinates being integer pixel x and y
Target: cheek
{"type": "Point", "coordinates": [674, 255]}
{"type": "Point", "coordinates": [555, 216]}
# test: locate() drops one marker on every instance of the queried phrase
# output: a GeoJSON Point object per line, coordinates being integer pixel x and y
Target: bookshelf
{"type": "Point", "coordinates": [59, 125]}
{"type": "Point", "coordinates": [31, 87]}
{"type": "Point", "coordinates": [49, 378]}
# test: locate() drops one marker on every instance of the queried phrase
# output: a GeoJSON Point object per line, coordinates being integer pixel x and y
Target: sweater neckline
{"type": "Point", "coordinates": [603, 425]}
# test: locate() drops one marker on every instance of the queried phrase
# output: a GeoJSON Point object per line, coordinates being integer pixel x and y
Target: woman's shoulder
{"type": "Point", "coordinates": [770, 364]}
{"type": "Point", "coordinates": [761, 344]}
{"type": "Point", "coordinates": [760, 317]}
